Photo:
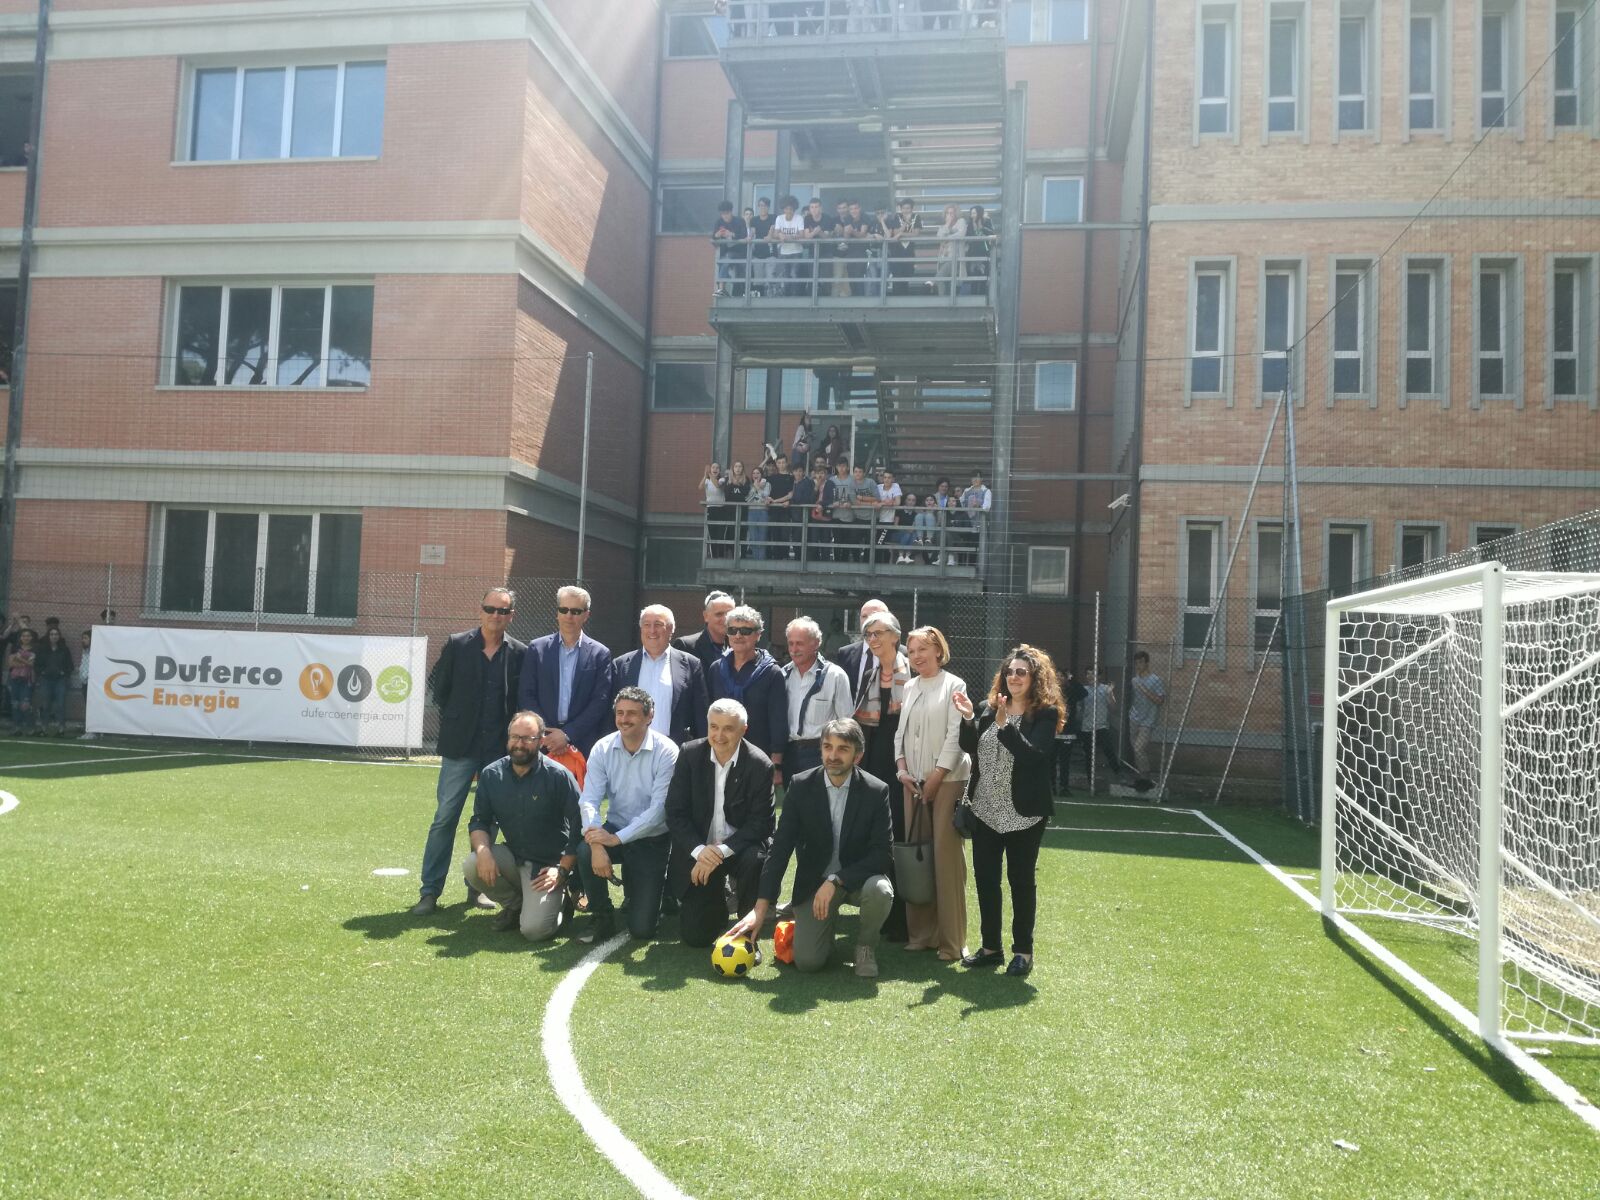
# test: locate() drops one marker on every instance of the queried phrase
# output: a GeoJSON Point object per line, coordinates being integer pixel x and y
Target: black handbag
{"type": "Point", "coordinates": [965, 819]}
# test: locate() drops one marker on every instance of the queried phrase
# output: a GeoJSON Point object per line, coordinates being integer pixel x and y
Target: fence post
{"type": "Point", "coordinates": [1094, 681]}
{"type": "Point", "coordinates": [111, 576]}
{"type": "Point", "coordinates": [416, 601]}
{"type": "Point", "coordinates": [260, 596]}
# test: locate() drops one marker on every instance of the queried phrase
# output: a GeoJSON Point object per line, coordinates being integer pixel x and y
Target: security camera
{"type": "Point", "coordinates": [1120, 502]}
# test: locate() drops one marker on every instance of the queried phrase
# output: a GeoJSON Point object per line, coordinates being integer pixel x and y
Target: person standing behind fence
{"type": "Point", "coordinates": [932, 770]}
{"type": "Point", "coordinates": [566, 677]}
{"type": "Point", "coordinates": [1144, 711]}
{"type": "Point", "coordinates": [474, 683]}
{"type": "Point", "coordinates": [1096, 734]}
{"type": "Point", "coordinates": [21, 674]}
{"type": "Point", "coordinates": [1012, 741]}
{"type": "Point", "coordinates": [1074, 693]}
{"type": "Point", "coordinates": [54, 668]}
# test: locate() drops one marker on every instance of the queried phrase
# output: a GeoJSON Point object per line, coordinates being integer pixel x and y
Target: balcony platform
{"type": "Point", "coordinates": [785, 330]}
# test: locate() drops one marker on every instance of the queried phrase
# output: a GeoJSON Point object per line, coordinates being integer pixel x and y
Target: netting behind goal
{"type": "Point", "coordinates": [1409, 768]}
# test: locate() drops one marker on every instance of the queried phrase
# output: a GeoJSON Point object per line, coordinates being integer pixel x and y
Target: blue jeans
{"type": "Point", "coordinates": [756, 519]}
{"type": "Point", "coordinates": [22, 710]}
{"type": "Point", "coordinates": [455, 781]}
{"type": "Point", "coordinates": [644, 878]}
{"type": "Point", "coordinates": [50, 701]}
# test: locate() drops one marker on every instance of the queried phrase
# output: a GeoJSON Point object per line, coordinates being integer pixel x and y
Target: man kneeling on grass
{"type": "Point", "coordinates": [836, 819]}
{"type": "Point", "coordinates": [535, 804]}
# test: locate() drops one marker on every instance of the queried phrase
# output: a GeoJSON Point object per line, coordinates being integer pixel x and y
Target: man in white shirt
{"type": "Point", "coordinates": [976, 504]}
{"type": "Point", "coordinates": [719, 817]}
{"type": "Point", "coordinates": [631, 768]}
{"type": "Point", "coordinates": [819, 692]}
{"type": "Point", "coordinates": [789, 231]}
{"type": "Point", "coordinates": [673, 677]}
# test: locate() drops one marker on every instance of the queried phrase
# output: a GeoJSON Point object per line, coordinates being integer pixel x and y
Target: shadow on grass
{"type": "Point", "coordinates": [457, 931]}
{"type": "Point", "coordinates": [1500, 1071]}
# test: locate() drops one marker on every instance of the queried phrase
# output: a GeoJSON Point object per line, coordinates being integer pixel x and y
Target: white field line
{"type": "Point", "coordinates": [78, 762]}
{"type": "Point", "coordinates": [7, 802]}
{"type": "Point", "coordinates": [1151, 832]}
{"type": "Point", "coordinates": [76, 745]}
{"type": "Point", "coordinates": [1560, 1089]}
{"type": "Point", "coordinates": [130, 752]}
{"type": "Point", "coordinates": [1115, 804]}
{"type": "Point", "coordinates": [565, 1077]}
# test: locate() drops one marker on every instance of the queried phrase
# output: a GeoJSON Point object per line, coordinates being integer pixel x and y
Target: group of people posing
{"type": "Point", "coordinates": [664, 761]}
{"type": "Point", "coordinates": [838, 513]}
{"type": "Point", "coordinates": [851, 251]}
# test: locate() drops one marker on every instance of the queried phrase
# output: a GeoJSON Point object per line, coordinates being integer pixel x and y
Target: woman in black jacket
{"type": "Point", "coordinates": [1012, 743]}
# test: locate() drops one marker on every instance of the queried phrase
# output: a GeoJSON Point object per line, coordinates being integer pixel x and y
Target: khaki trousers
{"type": "Point", "coordinates": [942, 925]}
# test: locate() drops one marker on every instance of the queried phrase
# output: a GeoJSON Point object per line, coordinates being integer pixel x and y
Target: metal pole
{"type": "Point", "coordinates": [1094, 680]}
{"type": "Point", "coordinates": [111, 575]}
{"type": "Point", "coordinates": [19, 344]}
{"type": "Point", "coordinates": [416, 601]}
{"type": "Point", "coordinates": [1491, 725]}
{"type": "Point", "coordinates": [1330, 762]}
{"type": "Point", "coordinates": [583, 475]}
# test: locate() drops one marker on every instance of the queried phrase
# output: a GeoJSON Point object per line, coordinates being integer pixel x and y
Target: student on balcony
{"type": "Point", "coordinates": [819, 228]}
{"type": "Point", "coordinates": [789, 266]}
{"type": "Point", "coordinates": [979, 252]}
{"type": "Point", "coordinates": [950, 267]}
{"type": "Point", "coordinates": [729, 235]}
{"type": "Point", "coordinates": [902, 230]}
{"type": "Point", "coordinates": [759, 225]}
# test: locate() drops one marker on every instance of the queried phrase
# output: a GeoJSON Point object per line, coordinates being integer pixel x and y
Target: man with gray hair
{"type": "Point", "coordinates": [719, 815]}
{"type": "Point", "coordinates": [836, 824]}
{"type": "Point", "coordinates": [855, 657]}
{"type": "Point", "coordinates": [673, 677]}
{"type": "Point", "coordinates": [709, 644]}
{"type": "Point", "coordinates": [751, 676]}
{"type": "Point", "coordinates": [817, 691]}
{"type": "Point", "coordinates": [566, 677]}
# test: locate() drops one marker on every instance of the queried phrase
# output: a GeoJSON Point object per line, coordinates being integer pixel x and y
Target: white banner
{"type": "Point", "coordinates": [265, 687]}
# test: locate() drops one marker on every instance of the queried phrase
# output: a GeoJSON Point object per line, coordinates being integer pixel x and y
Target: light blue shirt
{"type": "Point", "coordinates": [837, 796]}
{"type": "Point", "coordinates": [568, 662]}
{"type": "Point", "coordinates": [655, 677]}
{"type": "Point", "coordinates": [636, 784]}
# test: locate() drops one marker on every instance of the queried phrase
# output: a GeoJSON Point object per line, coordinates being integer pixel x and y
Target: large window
{"type": "Point", "coordinates": [16, 116]}
{"type": "Point", "coordinates": [1202, 549]}
{"type": "Point", "coordinates": [1047, 570]}
{"type": "Point", "coordinates": [1499, 49]}
{"type": "Point", "coordinates": [698, 35]}
{"type": "Point", "coordinates": [1424, 330]}
{"type": "Point", "coordinates": [1069, 20]}
{"type": "Point", "coordinates": [671, 560]}
{"type": "Point", "coordinates": [1357, 106]}
{"type": "Point", "coordinates": [1214, 71]}
{"type": "Point", "coordinates": [689, 208]}
{"type": "Point", "coordinates": [1055, 386]}
{"type": "Point", "coordinates": [1280, 308]}
{"type": "Point", "coordinates": [1498, 313]}
{"type": "Point", "coordinates": [299, 335]}
{"type": "Point", "coordinates": [1424, 69]}
{"type": "Point", "coordinates": [1352, 326]}
{"type": "Point", "coordinates": [684, 387]}
{"type": "Point", "coordinates": [267, 563]}
{"type": "Point", "coordinates": [312, 110]}
{"type": "Point", "coordinates": [1208, 324]}
{"type": "Point", "coordinates": [8, 325]}
{"type": "Point", "coordinates": [800, 389]}
{"type": "Point", "coordinates": [1573, 332]}
{"type": "Point", "coordinates": [1285, 72]}
{"type": "Point", "coordinates": [1268, 585]}
{"type": "Point", "coordinates": [1047, 21]}
{"type": "Point", "coordinates": [1572, 75]}
{"type": "Point", "coordinates": [1348, 556]}
{"type": "Point", "coordinates": [1061, 200]}
{"type": "Point", "coordinates": [1416, 544]}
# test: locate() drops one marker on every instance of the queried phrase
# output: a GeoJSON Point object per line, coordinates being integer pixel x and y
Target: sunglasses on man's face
{"type": "Point", "coordinates": [494, 611]}
{"type": "Point", "coordinates": [741, 631]}
{"type": "Point", "coordinates": [571, 612]}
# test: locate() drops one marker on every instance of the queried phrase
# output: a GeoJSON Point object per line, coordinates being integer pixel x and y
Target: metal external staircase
{"type": "Point", "coordinates": [936, 425]}
{"type": "Point", "coordinates": [946, 163]}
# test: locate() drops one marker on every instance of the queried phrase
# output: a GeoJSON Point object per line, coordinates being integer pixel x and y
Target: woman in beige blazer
{"type": "Point", "coordinates": [931, 765]}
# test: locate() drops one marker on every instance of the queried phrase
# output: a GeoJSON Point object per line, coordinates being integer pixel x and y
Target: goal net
{"type": "Point", "coordinates": [1461, 782]}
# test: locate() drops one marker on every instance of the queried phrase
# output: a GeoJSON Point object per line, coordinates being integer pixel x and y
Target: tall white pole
{"type": "Point", "coordinates": [583, 477]}
{"type": "Point", "coordinates": [1330, 760]}
{"type": "Point", "coordinates": [1491, 725]}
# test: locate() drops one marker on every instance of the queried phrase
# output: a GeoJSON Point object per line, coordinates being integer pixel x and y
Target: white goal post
{"type": "Point", "coordinates": [1461, 781]}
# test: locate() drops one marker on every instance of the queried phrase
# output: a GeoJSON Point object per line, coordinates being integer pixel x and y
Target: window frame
{"type": "Point", "coordinates": [1227, 16]}
{"type": "Point", "coordinates": [669, 185]}
{"type": "Point", "coordinates": [1437, 268]}
{"type": "Point", "coordinates": [1437, 14]}
{"type": "Point", "coordinates": [1226, 268]}
{"type": "Point", "coordinates": [1218, 526]}
{"type": "Point", "coordinates": [1369, 12]}
{"type": "Point", "coordinates": [1038, 553]}
{"type": "Point", "coordinates": [1368, 323]}
{"type": "Point", "coordinates": [1294, 364]}
{"type": "Point", "coordinates": [183, 152]}
{"type": "Point", "coordinates": [655, 382]}
{"type": "Point", "coordinates": [705, 14]}
{"type": "Point", "coordinates": [1502, 529]}
{"type": "Point", "coordinates": [1259, 527]}
{"type": "Point", "coordinates": [1586, 323]}
{"type": "Point", "coordinates": [1508, 270]}
{"type": "Point", "coordinates": [1434, 529]}
{"type": "Point", "coordinates": [1274, 11]}
{"type": "Point", "coordinates": [650, 579]}
{"type": "Point", "coordinates": [175, 287]}
{"type": "Point", "coordinates": [1050, 33]}
{"type": "Point", "coordinates": [1044, 198]}
{"type": "Point", "coordinates": [1038, 390]}
{"type": "Point", "coordinates": [1361, 564]}
{"type": "Point", "coordinates": [1586, 53]}
{"type": "Point", "coordinates": [155, 571]}
{"type": "Point", "coordinates": [1509, 13]}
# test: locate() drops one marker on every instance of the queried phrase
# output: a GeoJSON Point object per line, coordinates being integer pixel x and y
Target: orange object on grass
{"type": "Point", "coordinates": [783, 942]}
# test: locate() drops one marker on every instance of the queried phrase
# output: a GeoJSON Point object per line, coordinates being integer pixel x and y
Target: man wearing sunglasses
{"type": "Point", "coordinates": [751, 676]}
{"type": "Point", "coordinates": [474, 683]}
{"type": "Point", "coordinates": [566, 677]}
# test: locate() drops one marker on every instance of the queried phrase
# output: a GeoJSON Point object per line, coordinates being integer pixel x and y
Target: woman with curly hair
{"type": "Point", "coordinates": [1012, 742]}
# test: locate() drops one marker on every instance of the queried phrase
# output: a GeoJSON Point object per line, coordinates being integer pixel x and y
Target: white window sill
{"type": "Point", "coordinates": [260, 162]}
{"type": "Point", "coordinates": [241, 620]}
{"type": "Point", "coordinates": [257, 389]}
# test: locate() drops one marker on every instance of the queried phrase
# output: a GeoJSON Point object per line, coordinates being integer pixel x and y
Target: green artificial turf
{"type": "Point", "coordinates": [204, 991]}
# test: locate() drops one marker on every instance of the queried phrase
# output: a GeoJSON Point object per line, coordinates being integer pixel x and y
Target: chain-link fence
{"type": "Point", "coordinates": [1569, 545]}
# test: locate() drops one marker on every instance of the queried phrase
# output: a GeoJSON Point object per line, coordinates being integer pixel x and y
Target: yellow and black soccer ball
{"type": "Point", "coordinates": [733, 957]}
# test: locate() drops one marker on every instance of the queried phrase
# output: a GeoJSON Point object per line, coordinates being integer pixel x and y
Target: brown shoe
{"type": "Point", "coordinates": [509, 918]}
{"type": "Point", "coordinates": [866, 962]}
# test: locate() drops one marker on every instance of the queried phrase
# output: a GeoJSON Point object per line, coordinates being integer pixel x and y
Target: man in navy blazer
{"type": "Point", "coordinates": [673, 677]}
{"type": "Point", "coordinates": [854, 657]}
{"type": "Point", "coordinates": [566, 678]}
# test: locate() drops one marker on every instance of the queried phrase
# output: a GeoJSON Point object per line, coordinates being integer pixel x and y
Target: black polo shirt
{"type": "Point", "coordinates": [537, 812]}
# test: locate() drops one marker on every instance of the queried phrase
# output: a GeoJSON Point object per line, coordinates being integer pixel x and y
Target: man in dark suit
{"type": "Point", "coordinates": [719, 813]}
{"type": "Point", "coordinates": [836, 818]}
{"type": "Point", "coordinates": [710, 642]}
{"type": "Point", "coordinates": [474, 683]}
{"type": "Point", "coordinates": [673, 677]}
{"type": "Point", "coordinates": [566, 678]}
{"type": "Point", "coordinates": [855, 657]}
